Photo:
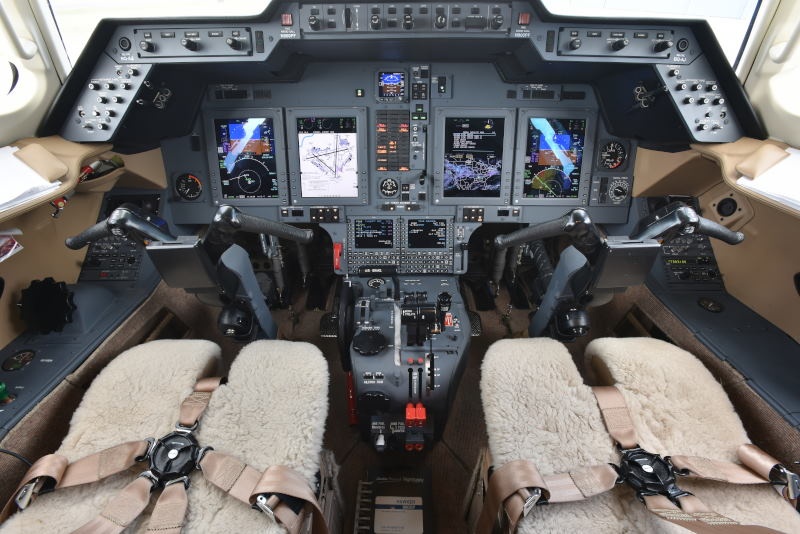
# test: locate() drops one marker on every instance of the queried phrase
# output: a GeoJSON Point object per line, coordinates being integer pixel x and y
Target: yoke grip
{"type": "Point", "coordinates": [90, 235]}
{"type": "Point", "coordinates": [536, 232]}
{"type": "Point", "coordinates": [257, 225]}
{"type": "Point", "coordinates": [716, 230]}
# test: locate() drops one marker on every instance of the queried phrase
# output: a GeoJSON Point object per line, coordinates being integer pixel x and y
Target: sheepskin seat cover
{"type": "Point", "coordinates": [538, 408]}
{"type": "Point", "coordinates": [271, 411]}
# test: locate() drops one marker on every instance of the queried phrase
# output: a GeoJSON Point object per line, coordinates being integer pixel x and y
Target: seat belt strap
{"type": "Point", "coordinates": [52, 472]}
{"type": "Point", "coordinates": [616, 416]}
{"type": "Point", "coordinates": [169, 513]}
{"type": "Point", "coordinates": [247, 484]}
{"type": "Point", "coordinates": [121, 510]}
{"type": "Point", "coordinates": [284, 481]}
{"type": "Point", "coordinates": [195, 404]}
{"type": "Point", "coordinates": [696, 517]}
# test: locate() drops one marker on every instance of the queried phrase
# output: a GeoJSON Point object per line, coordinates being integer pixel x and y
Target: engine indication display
{"type": "Point", "coordinates": [328, 149]}
{"type": "Point", "coordinates": [473, 157]}
{"type": "Point", "coordinates": [427, 233]}
{"type": "Point", "coordinates": [553, 157]}
{"type": "Point", "coordinates": [373, 233]}
{"type": "Point", "coordinates": [613, 155]}
{"type": "Point", "coordinates": [246, 154]}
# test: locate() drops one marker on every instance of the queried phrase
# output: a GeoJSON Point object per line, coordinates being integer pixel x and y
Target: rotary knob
{"type": "Point", "coordinates": [440, 22]}
{"type": "Point", "coordinates": [147, 46]}
{"type": "Point", "coordinates": [234, 43]}
{"type": "Point", "coordinates": [619, 44]}
{"type": "Point", "coordinates": [408, 22]}
{"type": "Point", "coordinates": [314, 23]}
{"type": "Point", "coordinates": [662, 46]}
{"type": "Point", "coordinates": [190, 45]}
{"type": "Point", "coordinates": [375, 22]}
{"type": "Point", "coordinates": [575, 44]}
{"type": "Point", "coordinates": [497, 22]}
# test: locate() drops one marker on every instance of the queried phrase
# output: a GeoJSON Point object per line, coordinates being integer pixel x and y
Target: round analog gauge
{"type": "Point", "coordinates": [389, 187]}
{"type": "Point", "coordinates": [376, 283]}
{"type": "Point", "coordinates": [618, 190]}
{"type": "Point", "coordinates": [18, 360]}
{"type": "Point", "coordinates": [613, 155]}
{"type": "Point", "coordinates": [188, 186]}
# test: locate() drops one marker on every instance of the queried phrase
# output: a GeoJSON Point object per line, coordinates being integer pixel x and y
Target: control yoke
{"type": "Point", "coordinates": [229, 220]}
{"type": "Point", "coordinates": [576, 223]}
{"type": "Point", "coordinates": [677, 218]}
{"type": "Point", "coordinates": [125, 219]}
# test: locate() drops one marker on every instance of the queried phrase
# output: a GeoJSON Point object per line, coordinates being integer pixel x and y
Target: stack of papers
{"type": "Point", "coordinates": [20, 183]}
{"type": "Point", "coordinates": [781, 182]}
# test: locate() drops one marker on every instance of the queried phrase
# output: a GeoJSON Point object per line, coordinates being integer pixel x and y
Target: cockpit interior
{"type": "Point", "coordinates": [423, 241]}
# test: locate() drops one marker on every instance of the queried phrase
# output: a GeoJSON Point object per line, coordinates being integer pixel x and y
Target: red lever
{"type": "Point", "coordinates": [337, 256]}
{"type": "Point", "coordinates": [411, 415]}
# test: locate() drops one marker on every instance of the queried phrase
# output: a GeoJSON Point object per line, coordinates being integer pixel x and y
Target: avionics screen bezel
{"type": "Point", "coordinates": [588, 155]}
{"type": "Point", "coordinates": [509, 117]}
{"type": "Point", "coordinates": [360, 113]}
{"type": "Point", "coordinates": [448, 242]}
{"type": "Point", "coordinates": [276, 115]}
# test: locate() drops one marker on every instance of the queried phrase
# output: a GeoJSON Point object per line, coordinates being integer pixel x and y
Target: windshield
{"type": "Point", "coordinates": [77, 18]}
{"type": "Point", "coordinates": [730, 19]}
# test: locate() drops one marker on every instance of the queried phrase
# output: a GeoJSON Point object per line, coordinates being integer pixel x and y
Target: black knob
{"type": "Point", "coordinates": [662, 46]}
{"type": "Point", "coordinates": [681, 87]}
{"type": "Point", "coordinates": [703, 101]}
{"type": "Point", "coordinates": [189, 44]}
{"type": "Point", "coordinates": [719, 101]}
{"type": "Point", "coordinates": [108, 86]}
{"type": "Point", "coordinates": [147, 46]}
{"type": "Point", "coordinates": [117, 99]}
{"type": "Point", "coordinates": [444, 301]}
{"type": "Point", "coordinates": [440, 22]}
{"type": "Point", "coordinates": [619, 44]}
{"type": "Point", "coordinates": [408, 22]}
{"type": "Point", "coordinates": [125, 86]}
{"type": "Point", "coordinates": [234, 43]}
{"type": "Point", "coordinates": [101, 100]}
{"type": "Point", "coordinates": [314, 23]}
{"type": "Point", "coordinates": [712, 87]}
{"type": "Point", "coordinates": [375, 22]}
{"type": "Point", "coordinates": [369, 342]}
{"type": "Point", "coordinates": [688, 100]}
{"type": "Point", "coordinates": [497, 22]}
{"type": "Point", "coordinates": [575, 44]}
{"type": "Point", "coordinates": [674, 72]}
{"type": "Point", "coordinates": [93, 86]}
{"type": "Point", "coordinates": [697, 87]}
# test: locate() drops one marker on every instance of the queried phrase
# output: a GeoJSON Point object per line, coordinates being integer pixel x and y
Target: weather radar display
{"type": "Point", "coordinates": [246, 153]}
{"type": "Point", "coordinates": [473, 157]}
{"type": "Point", "coordinates": [553, 157]}
{"type": "Point", "coordinates": [328, 148]}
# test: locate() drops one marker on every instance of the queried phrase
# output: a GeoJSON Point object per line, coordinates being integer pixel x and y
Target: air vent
{"type": "Point", "coordinates": [262, 93]}
{"type": "Point", "coordinates": [573, 95]}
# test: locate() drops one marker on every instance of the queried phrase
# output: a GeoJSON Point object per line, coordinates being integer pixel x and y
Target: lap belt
{"type": "Point", "coordinates": [279, 492]}
{"type": "Point", "coordinates": [518, 486]}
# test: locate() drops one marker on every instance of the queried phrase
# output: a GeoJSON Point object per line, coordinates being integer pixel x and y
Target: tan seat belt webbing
{"type": "Point", "coordinates": [196, 403]}
{"type": "Point", "coordinates": [693, 514]}
{"type": "Point", "coordinates": [120, 511]}
{"type": "Point", "coordinates": [89, 469]}
{"type": "Point", "coordinates": [170, 511]}
{"type": "Point", "coordinates": [245, 483]}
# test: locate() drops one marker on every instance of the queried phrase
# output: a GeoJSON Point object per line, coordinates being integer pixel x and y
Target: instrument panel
{"type": "Point", "coordinates": [405, 162]}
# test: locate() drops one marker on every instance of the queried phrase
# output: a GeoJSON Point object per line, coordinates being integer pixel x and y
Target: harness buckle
{"type": "Point", "coordinates": [534, 495]}
{"type": "Point", "coordinates": [648, 474]}
{"type": "Point", "coordinates": [780, 475]}
{"type": "Point", "coordinates": [172, 458]}
{"type": "Point", "coordinates": [186, 429]}
{"type": "Point", "coordinates": [27, 492]}
{"type": "Point", "coordinates": [262, 504]}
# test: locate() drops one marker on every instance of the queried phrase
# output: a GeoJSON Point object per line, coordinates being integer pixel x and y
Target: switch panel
{"type": "Point", "coordinates": [104, 101]}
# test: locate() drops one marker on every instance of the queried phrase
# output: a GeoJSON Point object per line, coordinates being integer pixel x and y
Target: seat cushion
{"type": "Point", "coordinates": [679, 408]}
{"type": "Point", "coordinates": [537, 408]}
{"type": "Point", "coordinates": [272, 411]}
{"type": "Point", "coordinates": [136, 396]}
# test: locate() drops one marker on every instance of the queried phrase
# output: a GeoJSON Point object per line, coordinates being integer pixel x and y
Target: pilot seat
{"type": "Point", "coordinates": [609, 469]}
{"type": "Point", "coordinates": [256, 437]}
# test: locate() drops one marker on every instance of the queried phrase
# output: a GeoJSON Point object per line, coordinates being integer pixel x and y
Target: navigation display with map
{"type": "Point", "coordinates": [473, 153]}
{"type": "Point", "coordinates": [328, 148]}
{"type": "Point", "coordinates": [553, 157]}
{"type": "Point", "coordinates": [246, 153]}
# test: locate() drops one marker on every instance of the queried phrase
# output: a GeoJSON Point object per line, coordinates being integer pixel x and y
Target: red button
{"type": "Point", "coordinates": [411, 415]}
{"type": "Point", "coordinates": [421, 414]}
{"type": "Point", "coordinates": [524, 19]}
{"type": "Point", "coordinates": [337, 256]}
{"type": "Point", "coordinates": [448, 319]}
{"type": "Point", "coordinates": [410, 361]}
{"type": "Point", "coordinates": [420, 360]}
{"type": "Point", "coordinates": [286, 19]}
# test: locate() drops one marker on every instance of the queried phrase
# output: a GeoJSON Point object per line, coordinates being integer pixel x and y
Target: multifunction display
{"type": "Point", "coordinates": [553, 157]}
{"type": "Point", "coordinates": [373, 233]}
{"type": "Point", "coordinates": [392, 86]}
{"type": "Point", "coordinates": [328, 150]}
{"type": "Point", "coordinates": [473, 156]}
{"type": "Point", "coordinates": [427, 233]}
{"type": "Point", "coordinates": [246, 153]}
